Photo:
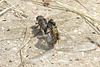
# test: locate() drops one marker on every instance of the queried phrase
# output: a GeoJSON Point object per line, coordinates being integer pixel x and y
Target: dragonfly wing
{"type": "Point", "coordinates": [48, 37]}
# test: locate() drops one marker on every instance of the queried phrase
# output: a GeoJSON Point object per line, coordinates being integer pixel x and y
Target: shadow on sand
{"type": "Point", "coordinates": [42, 40]}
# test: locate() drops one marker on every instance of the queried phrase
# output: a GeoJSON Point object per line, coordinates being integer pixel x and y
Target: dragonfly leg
{"type": "Point", "coordinates": [41, 36]}
{"type": "Point", "coordinates": [36, 27]}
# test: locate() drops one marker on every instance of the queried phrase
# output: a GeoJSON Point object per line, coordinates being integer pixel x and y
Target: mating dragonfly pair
{"type": "Point", "coordinates": [48, 28]}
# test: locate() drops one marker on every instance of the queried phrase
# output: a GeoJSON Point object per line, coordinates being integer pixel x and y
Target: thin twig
{"type": "Point", "coordinates": [24, 40]}
{"type": "Point", "coordinates": [2, 1]}
{"type": "Point", "coordinates": [21, 57]}
{"type": "Point", "coordinates": [81, 4]}
{"type": "Point", "coordinates": [24, 45]}
{"type": "Point", "coordinates": [5, 10]}
{"type": "Point", "coordinates": [92, 25]}
{"type": "Point", "coordinates": [15, 9]}
{"type": "Point", "coordinates": [25, 33]}
{"type": "Point", "coordinates": [93, 41]}
{"type": "Point", "coordinates": [20, 50]}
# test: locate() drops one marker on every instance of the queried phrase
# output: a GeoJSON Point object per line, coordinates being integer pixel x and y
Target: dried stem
{"type": "Point", "coordinates": [20, 50]}
{"type": "Point", "coordinates": [5, 10]}
{"type": "Point", "coordinates": [74, 10]}
{"type": "Point", "coordinates": [2, 1]}
{"type": "Point", "coordinates": [17, 10]}
{"type": "Point", "coordinates": [24, 43]}
{"type": "Point", "coordinates": [13, 8]}
{"type": "Point", "coordinates": [81, 4]}
{"type": "Point", "coordinates": [92, 25]}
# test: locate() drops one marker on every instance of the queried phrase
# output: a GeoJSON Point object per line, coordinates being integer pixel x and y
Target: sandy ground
{"type": "Point", "coordinates": [73, 30]}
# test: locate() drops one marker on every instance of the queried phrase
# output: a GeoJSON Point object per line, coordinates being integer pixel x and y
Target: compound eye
{"type": "Point", "coordinates": [39, 17]}
{"type": "Point", "coordinates": [51, 20]}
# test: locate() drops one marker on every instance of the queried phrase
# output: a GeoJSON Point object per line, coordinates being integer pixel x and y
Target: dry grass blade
{"type": "Point", "coordinates": [46, 1]}
{"type": "Point", "coordinates": [81, 4]}
{"type": "Point", "coordinates": [25, 37]}
{"type": "Point", "coordinates": [92, 25]}
{"type": "Point", "coordinates": [21, 58]}
{"type": "Point", "coordinates": [2, 1]}
{"type": "Point", "coordinates": [25, 44]}
{"type": "Point", "coordinates": [20, 50]}
{"type": "Point", "coordinates": [93, 41]}
{"type": "Point", "coordinates": [74, 10]}
{"type": "Point", "coordinates": [5, 10]}
{"type": "Point", "coordinates": [15, 9]}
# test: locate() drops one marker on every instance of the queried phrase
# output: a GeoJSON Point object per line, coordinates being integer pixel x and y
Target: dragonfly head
{"type": "Point", "coordinates": [39, 18]}
{"type": "Point", "coordinates": [52, 22]}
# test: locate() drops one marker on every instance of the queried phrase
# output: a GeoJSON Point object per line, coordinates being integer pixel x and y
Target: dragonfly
{"type": "Point", "coordinates": [62, 24]}
{"type": "Point", "coordinates": [53, 31]}
{"type": "Point", "coordinates": [42, 22]}
{"type": "Point", "coordinates": [51, 34]}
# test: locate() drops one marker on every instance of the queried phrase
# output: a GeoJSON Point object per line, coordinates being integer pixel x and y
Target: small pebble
{"type": "Point", "coordinates": [14, 48]}
{"type": "Point", "coordinates": [41, 52]}
{"type": "Point", "coordinates": [96, 24]}
{"type": "Point", "coordinates": [8, 16]}
{"type": "Point", "coordinates": [73, 37]}
{"type": "Point", "coordinates": [70, 60]}
{"type": "Point", "coordinates": [95, 58]}
{"type": "Point", "coordinates": [82, 53]}
{"type": "Point", "coordinates": [16, 61]}
{"type": "Point", "coordinates": [76, 59]}
{"type": "Point", "coordinates": [3, 28]}
{"type": "Point", "coordinates": [6, 49]}
{"type": "Point", "coordinates": [35, 8]}
{"type": "Point", "coordinates": [27, 55]}
{"type": "Point", "coordinates": [34, 63]}
{"type": "Point", "coordinates": [75, 30]}
{"type": "Point", "coordinates": [4, 20]}
{"type": "Point", "coordinates": [10, 61]}
{"type": "Point", "coordinates": [61, 47]}
{"type": "Point", "coordinates": [92, 41]}
{"type": "Point", "coordinates": [13, 11]}
{"type": "Point", "coordinates": [78, 17]}
{"type": "Point", "coordinates": [8, 29]}
{"type": "Point", "coordinates": [30, 47]}
{"type": "Point", "coordinates": [8, 41]}
{"type": "Point", "coordinates": [52, 63]}
{"type": "Point", "coordinates": [63, 38]}
{"type": "Point", "coordinates": [60, 52]}
{"type": "Point", "coordinates": [93, 33]}
{"type": "Point", "coordinates": [79, 33]}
